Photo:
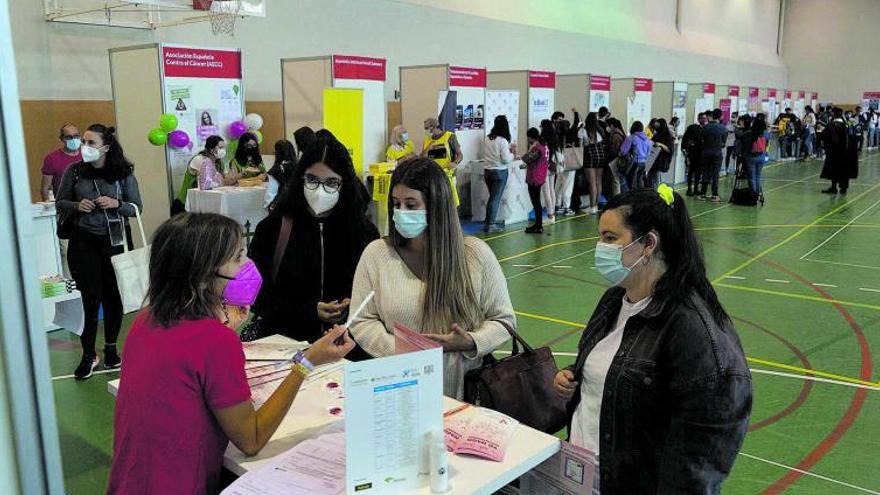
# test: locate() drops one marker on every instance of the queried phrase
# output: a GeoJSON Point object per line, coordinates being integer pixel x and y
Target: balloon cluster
{"type": "Point", "coordinates": [252, 122]}
{"type": "Point", "coordinates": [168, 133]}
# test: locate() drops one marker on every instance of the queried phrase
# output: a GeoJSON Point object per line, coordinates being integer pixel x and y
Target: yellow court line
{"type": "Point", "coordinates": [794, 235]}
{"type": "Point", "coordinates": [548, 246]}
{"type": "Point", "coordinates": [547, 318]}
{"type": "Point", "coordinates": [797, 296]}
{"type": "Point", "coordinates": [783, 226]}
{"type": "Point", "coordinates": [823, 374]}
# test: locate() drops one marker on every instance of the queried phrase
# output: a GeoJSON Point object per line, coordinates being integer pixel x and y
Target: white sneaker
{"type": "Point", "coordinates": [594, 210]}
{"type": "Point", "coordinates": [551, 220]}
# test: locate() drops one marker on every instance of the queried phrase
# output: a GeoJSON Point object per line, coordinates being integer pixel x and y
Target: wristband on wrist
{"type": "Point", "coordinates": [300, 358]}
{"type": "Point", "coordinates": [302, 370]}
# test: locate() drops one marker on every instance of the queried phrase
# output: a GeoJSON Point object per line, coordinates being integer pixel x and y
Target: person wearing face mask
{"type": "Point", "coordinates": [248, 162]}
{"type": "Point", "coordinates": [401, 147]}
{"type": "Point", "coordinates": [184, 394]}
{"type": "Point", "coordinates": [56, 162]}
{"type": "Point", "coordinates": [428, 276]}
{"type": "Point", "coordinates": [97, 196]}
{"type": "Point", "coordinates": [443, 147]}
{"type": "Point", "coordinates": [205, 171]}
{"type": "Point", "coordinates": [281, 171]}
{"type": "Point", "coordinates": [316, 232]}
{"type": "Point", "coordinates": [660, 386]}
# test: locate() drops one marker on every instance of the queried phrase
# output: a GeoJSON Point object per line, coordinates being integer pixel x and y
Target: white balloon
{"type": "Point", "coordinates": [253, 121]}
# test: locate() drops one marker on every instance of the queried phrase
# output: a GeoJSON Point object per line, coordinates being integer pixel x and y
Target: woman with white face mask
{"type": "Point", "coordinates": [660, 386]}
{"type": "Point", "coordinates": [94, 202]}
{"type": "Point", "coordinates": [427, 276]}
{"type": "Point", "coordinates": [316, 231]}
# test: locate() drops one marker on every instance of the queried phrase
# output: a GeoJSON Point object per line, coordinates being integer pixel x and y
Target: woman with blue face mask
{"type": "Point", "coordinates": [660, 386]}
{"type": "Point", "coordinates": [427, 276]}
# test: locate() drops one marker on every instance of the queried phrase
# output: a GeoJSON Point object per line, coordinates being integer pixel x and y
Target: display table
{"type": "Point", "coordinates": [64, 311]}
{"type": "Point", "coordinates": [242, 204]}
{"type": "Point", "coordinates": [515, 202]}
{"type": "Point", "coordinates": [308, 416]}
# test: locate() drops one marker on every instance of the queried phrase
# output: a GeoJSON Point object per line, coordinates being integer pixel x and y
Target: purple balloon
{"type": "Point", "coordinates": [236, 129]}
{"type": "Point", "coordinates": [178, 139]}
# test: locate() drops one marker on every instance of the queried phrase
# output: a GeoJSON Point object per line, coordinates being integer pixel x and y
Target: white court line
{"type": "Point", "coordinates": [768, 191]}
{"type": "Point", "coordinates": [561, 266]}
{"type": "Point", "coordinates": [868, 289]}
{"type": "Point", "coordinates": [102, 372]}
{"type": "Point", "coordinates": [776, 281]}
{"type": "Point", "coordinates": [549, 264]}
{"type": "Point", "coordinates": [824, 285]}
{"type": "Point", "coordinates": [832, 236]}
{"type": "Point", "coordinates": [841, 263]}
{"type": "Point", "coordinates": [523, 266]}
{"type": "Point", "coordinates": [813, 379]}
{"type": "Point", "coordinates": [735, 277]}
{"type": "Point", "coordinates": [807, 473]}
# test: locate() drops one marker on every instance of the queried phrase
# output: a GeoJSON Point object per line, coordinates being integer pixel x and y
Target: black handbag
{"type": "Point", "coordinates": [520, 386]}
{"type": "Point", "coordinates": [256, 328]}
{"type": "Point", "coordinates": [65, 223]}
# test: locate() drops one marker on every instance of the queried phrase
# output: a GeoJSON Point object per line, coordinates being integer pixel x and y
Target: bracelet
{"type": "Point", "coordinates": [302, 370]}
{"type": "Point", "coordinates": [300, 358]}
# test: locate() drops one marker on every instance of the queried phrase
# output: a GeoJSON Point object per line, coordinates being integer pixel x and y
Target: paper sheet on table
{"type": "Point", "coordinates": [313, 467]}
{"type": "Point", "coordinates": [265, 351]}
{"type": "Point", "coordinates": [263, 381]}
{"type": "Point", "coordinates": [478, 431]}
{"type": "Point", "coordinates": [572, 471]}
{"type": "Point", "coordinates": [406, 340]}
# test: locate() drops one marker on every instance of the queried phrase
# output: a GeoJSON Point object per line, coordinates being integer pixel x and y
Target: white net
{"type": "Point", "coordinates": [223, 14]}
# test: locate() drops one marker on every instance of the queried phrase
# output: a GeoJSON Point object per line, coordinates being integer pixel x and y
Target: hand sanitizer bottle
{"type": "Point", "coordinates": [439, 464]}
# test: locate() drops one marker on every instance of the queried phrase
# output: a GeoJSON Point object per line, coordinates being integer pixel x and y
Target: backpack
{"type": "Point", "coordinates": [759, 145]}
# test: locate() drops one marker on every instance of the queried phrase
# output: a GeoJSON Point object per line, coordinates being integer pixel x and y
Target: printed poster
{"type": "Point", "coordinates": [542, 93]}
{"type": "Point", "coordinates": [600, 92]}
{"type": "Point", "coordinates": [679, 105]}
{"type": "Point", "coordinates": [638, 105]}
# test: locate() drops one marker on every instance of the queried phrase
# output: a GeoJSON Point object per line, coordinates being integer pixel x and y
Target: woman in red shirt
{"type": "Point", "coordinates": [183, 393]}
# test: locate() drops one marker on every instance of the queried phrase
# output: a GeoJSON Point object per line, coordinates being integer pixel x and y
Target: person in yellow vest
{"type": "Point", "coordinates": [401, 147]}
{"type": "Point", "coordinates": [442, 147]}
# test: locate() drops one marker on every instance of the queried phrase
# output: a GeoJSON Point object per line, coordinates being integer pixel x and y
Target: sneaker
{"type": "Point", "coordinates": [715, 199]}
{"type": "Point", "coordinates": [830, 190]}
{"type": "Point", "coordinates": [493, 229]}
{"type": "Point", "coordinates": [86, 366]}
{"type": "Point", "coordinates": [701, 197]}
{"type": "Point", "coordinates": [551, 220]}
{"type": "Point", "coordinates": [594, 210]}
{"type": "Point", "coordinates": [534, 229]}
{"type": "Point", "coordinates": [111, 358]}
{"type": "Point", "coordinates": [569, 212]}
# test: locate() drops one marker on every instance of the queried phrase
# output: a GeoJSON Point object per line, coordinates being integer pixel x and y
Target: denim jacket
{"type": "Point", "coordinates": [677, 398]}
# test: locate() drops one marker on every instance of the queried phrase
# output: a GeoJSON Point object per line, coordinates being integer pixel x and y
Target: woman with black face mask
{"type": "Point", "coordinates": [321, 220]}
{"type": "Point", "coordinates": [248, 161]}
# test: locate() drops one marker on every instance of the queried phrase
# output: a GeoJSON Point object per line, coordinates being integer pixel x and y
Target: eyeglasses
{"type": "Point", "coordinates": [330, 185]}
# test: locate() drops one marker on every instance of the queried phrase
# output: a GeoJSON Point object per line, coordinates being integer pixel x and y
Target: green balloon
{"type": "Point", "coordinates": [157, 137]}
{"type": "Point", "coordinates": [168, 122]}
{"type": "Point", "coordinates": [235, 88]}
{"type": "Point", "coordinates": [259, 137]}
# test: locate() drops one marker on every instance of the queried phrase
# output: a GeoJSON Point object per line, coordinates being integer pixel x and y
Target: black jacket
{"type": "Point", "coordinates": [677, 398]}
{"type": "Point", "coordinates": [841, 152]}
{"type": "Point", "coordinates": [318, 265]}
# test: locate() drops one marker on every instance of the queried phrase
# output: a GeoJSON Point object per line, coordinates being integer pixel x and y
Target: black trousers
{"type": "Point", "coordinates": [535, 196]}
{"type": "Point", "coordinates": [840, 184]}
{"type": "Point", "coordinates": [89, 258]}
{"type": "Point", "coordinates": [731, 151]}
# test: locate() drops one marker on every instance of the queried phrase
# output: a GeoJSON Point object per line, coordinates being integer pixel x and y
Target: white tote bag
{"type": "Point", "coordinates": [133, 271]}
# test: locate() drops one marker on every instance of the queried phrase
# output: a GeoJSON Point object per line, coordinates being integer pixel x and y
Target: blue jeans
{"type": "Point", "coordinates": [756, 167]}
{"type": "Point", "coordinates": [872, 137]}
{"type": "Point", "coordinates": [496, 181]}
{"type": "Point", "coordinates": [809, 139]}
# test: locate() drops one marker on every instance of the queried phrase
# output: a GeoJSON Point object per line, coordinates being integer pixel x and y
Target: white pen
{"type": "Point", "coordinates": [357, 312]}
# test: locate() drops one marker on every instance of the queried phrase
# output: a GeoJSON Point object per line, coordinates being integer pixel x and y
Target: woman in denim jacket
{"type": "Point", "coordinates": [660, 390]}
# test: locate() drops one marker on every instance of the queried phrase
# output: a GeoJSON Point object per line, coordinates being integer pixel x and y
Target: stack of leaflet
{"type": "Point", "coordinates": [268, 364]}
{"type": "Point", "coordinates": [478, 431]}
{"type": "Point", "coordinates": [314, 467]}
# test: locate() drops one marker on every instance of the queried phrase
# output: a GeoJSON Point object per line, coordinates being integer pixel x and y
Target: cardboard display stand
{"type": "Point", "coordinates": [303, 81]}
{"type": "Point", "coordinates": [631, 100]}
{"type": "Point", "coordinates": [600, 92]}
{"type": "Point", "coordinates": [740, 100]}
{"type": "Point", "coordinates": [202, 87]}
{"type": "Point", "coordinates": [787, 101]}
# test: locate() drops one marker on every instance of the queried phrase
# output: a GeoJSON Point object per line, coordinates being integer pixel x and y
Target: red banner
{"type": "Point", "coordinates": [542, 79]}
{"type": "Point", "coordinates": [198, 62]}
{"type": "Point", "coordinates": [771, 93]}
{"type": "Point", "coordinates": [724, 104]}
{"type": "Point", "coordinates": [467, 76]}
{"type": "Point", "coordinates": [754, 92]}
{"type": "Point", "coordinates": [642, 84]}
{"type": "Point", "coordinates": [787, 94]}
{"type": "Point", "coordinates": [348, 67]}
{"type": "Point", "coordinates": [871, 95]}
{"type": "Point", "coordinates": [709, 88]}
{"type": "Point", "coordinates": [733, 91]}
{"type": "Point", "coordinates": [600, 83]}
{"type": "Point", "coordinates": [802, 95]}
{"type": "Point", "coordinates": [815, 96]}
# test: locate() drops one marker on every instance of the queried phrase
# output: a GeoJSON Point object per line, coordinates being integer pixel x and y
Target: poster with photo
{"type": "Point", "coordinates": [205, 127]}
{"type": "Point", "coordinates": [679, 105]}
{"type": "Point", "coordinates": [870, 100]}
{"type": "Point", "coordinates": [600, 92]}
{"type": "Point", "coordinates": [638, 105]}
{"type": "Point", "coordinates": [542, 94]}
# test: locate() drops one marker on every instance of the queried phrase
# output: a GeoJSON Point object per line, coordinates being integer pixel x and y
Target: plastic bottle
{"type": "Point", "coordinates": [439, 464]}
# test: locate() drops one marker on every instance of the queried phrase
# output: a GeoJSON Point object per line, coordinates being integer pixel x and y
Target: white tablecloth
{"type": "Point", "coordinates": [242, 204]}
{"type": "Point", "coordinates": [515, 202]}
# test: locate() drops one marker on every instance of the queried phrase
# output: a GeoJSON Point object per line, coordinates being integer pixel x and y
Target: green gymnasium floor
{"type": "Point", "coordinates": [799, 277]}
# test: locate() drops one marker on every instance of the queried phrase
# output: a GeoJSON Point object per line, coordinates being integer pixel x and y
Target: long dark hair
{"type": "Point", "coordinates": [242, 153]}
{"type": "Point", "coordinates": [759, 127]}
{"type": "Point", "coordinates": [644, 211]}
{"type": "Point", "coordinates": [285, 162]}
{"type": "Point", "coordinates": [615, 123]}
{"type": "Point", "coordinates": [662, 134]}
{"type": "Point", "coordinates": [186, 253]}
{"type": "Point", "coordinates": [210, 146]}
{"type": "Point", "coordinates": [304, 137]}
{"type": "Point", "coordinates": [548, 134]}
{"type": "Point", "coordinates": [591, 125]}
{"type": "Point", "coordinates": [501, 128]}
{"type": "Point", "coordinates": [449, 296]}
{"type": "Point", "coordinates": [636, 127]}
{"type": "Point", "coordinates": [116, 165]}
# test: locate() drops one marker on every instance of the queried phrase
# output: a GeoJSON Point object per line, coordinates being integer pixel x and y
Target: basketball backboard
{"type": "Point", "coordinates": [144, 14]}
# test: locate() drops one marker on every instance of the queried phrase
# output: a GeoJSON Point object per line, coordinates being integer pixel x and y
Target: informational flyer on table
{"type": "Point", "coordinates": [600, 92]}
{"type": "Point", "coordinates": [638, 105]}
{"type": "Point", "coordinates": [503, 103]}
{"type": "Point", "coordinates": [679, 105]}
{"type": "Point", "coordinates": [469, 85]}
{"type": "Point", "coordinates": [754, 102]}
{"type": "Point", "coordinates": [399, 403]}
{"type": "Point", "coordinates": [706, 103]}
{"type": "Point", "coordinates": [542, 93]}
{"type": "Point", "coordinates": [202, 87]}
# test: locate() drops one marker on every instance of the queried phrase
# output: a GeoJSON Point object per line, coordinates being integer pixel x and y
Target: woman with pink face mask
{"type": "Point", "coordinates": [183, 393]}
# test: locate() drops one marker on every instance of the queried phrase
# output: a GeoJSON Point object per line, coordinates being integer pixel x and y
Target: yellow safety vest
{"type": "Point", "coordinates": [393, 154]}
{"type": "Point", "coordinates": [441, 142]}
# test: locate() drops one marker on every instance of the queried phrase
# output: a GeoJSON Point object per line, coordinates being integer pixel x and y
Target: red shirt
{"type": "Point", "coordinates": [167, 440]}
{"type": "Point", "coordinates": [56, 163]}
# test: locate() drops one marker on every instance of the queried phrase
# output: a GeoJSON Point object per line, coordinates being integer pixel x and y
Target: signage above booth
{"type": "Point", "coordinates": [709, 88]}
{"type": "Point", "coordinates": [816, 96]}
{"type": "Point", "coordinates": [754, 92]}
{"type": "Point", "coordinates": [542, 79]}
{"type": "Point", "coordinates": [200, 62]}
{"type": "Point", "coordinates": [600, 83]}
{"type": "Point", "coordinates": [802, 95]}
{"type": "Point", "coordinates": [364, 68]}
{"type": "Point", "coordinates": [467, 76]}
{"type": "Point", "coordinates": [868, 95]}
{"type": "Point", "coordinates": [787, 94]}
{"type": "Point", "coordinates": [733, 91]}
{"type": "Point", "coordinates": [771, 93]}
{"type": "Point", "coordinates": [643, 84]}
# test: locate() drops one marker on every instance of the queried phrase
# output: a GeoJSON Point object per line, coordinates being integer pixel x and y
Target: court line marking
{"type": "Point", "coordinates": [548, 318]}
{"type": "Point", "coordinates": [868, 289]}
{"type": "Point", "coordinates": [734, 277]}
{"type": "Point", "coordinates": [776, 281]}
{"type": "Point", "coordinates": [814, 379]}
{"type": "Point", "coordinates": [838, 231]}
{"type": "Point", "coordinates": [569, 266]}
{"type": "Point", "coordinates": [515, 275]}
{"type": "Point", "coordinates": [795, 235]}
{"type": "Point", "coordinates": [797, 296]}
{"type": "Point", "coordinates": [518, 231]}
{"type": "Point", "coordinates": [548, 246]}
{"type": "Point", "coordinates": [523, 266]}
{"type": "Point", "coordinates": [853, 265]}
{"type": "Point", "coordinates": [824, 285]}
{"type": "Point", "coordinates": [101, 372]}
{"type": "Point", "coordinates": [808, 473]}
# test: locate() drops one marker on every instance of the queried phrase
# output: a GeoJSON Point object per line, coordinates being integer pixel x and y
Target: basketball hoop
{"type": "Point", "coordinates": [223, 14]}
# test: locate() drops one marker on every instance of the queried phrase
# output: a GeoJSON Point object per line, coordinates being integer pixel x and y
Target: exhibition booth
{"type": "Point", "coordinates": [583, 92]}
{"type": "Point", "coordinates": [631, 100]}
{"type": "Point", "coordinates": [670, 100]}
{"type": "Point", "coordinates": [701, 98]}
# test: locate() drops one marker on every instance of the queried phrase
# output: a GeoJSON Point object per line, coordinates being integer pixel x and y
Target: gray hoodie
{"type": "Point", "coordinates": [90, 186]}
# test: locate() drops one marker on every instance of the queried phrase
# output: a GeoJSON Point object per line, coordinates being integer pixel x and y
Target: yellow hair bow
{"type": "Point", "coordinates": [666, 193]}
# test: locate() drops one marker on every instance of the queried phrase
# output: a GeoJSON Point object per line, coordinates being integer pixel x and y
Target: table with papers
{"type": "Point", "coordinates": [242, 204]}
{"type": "Point", "coordinates": [316, 414]}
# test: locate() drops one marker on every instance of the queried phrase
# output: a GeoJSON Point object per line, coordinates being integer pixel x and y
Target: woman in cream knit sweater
{"type": "Point", "coordinates": [428, 276]}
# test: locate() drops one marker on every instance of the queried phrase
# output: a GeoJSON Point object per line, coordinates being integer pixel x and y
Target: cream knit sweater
{"type": "Point", "coordinates": [398, 299]}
